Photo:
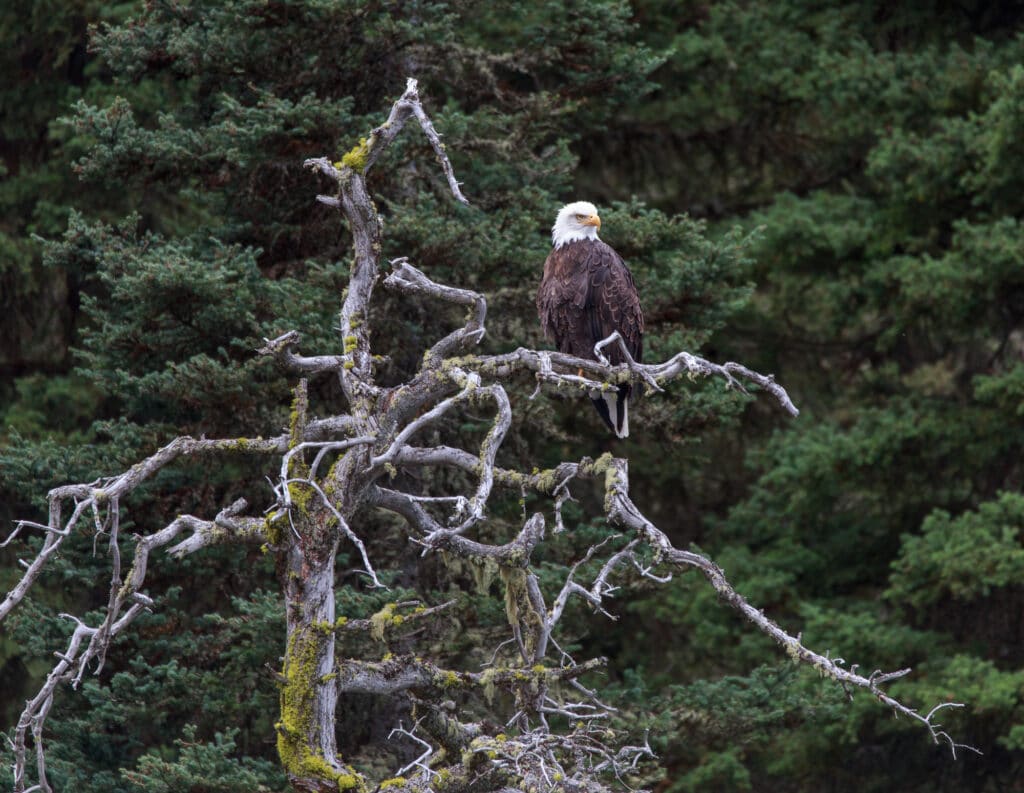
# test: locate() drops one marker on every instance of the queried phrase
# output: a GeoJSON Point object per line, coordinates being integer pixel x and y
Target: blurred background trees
{"type": "Point", "coordinates": [830, 192]}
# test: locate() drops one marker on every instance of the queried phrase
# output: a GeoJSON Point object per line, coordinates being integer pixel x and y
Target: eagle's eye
{"type": "Point", "coordinates": [581, 217]}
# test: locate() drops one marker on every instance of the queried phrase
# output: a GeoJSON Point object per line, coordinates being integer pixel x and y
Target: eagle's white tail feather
{"type": "Point", "coordinates": [611, 399]}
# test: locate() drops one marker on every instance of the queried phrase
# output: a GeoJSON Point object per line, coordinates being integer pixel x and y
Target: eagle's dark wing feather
{"type": "Point", "coordinates": [588, 293]}
{"type": "Point", "coordinates": [615, 303]}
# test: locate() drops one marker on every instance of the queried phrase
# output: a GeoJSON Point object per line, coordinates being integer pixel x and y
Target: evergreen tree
{"type": "Point", "coordinates": [877, 151]}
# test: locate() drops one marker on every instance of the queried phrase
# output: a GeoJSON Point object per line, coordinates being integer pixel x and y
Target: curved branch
{"type": "Point", "coordinates": [513, 554]}
{"type": "Point", "coordinates": [283, 348]}
{"type": "Point", "coordinates": [386, 457]}
{"type": "Point", "coordinates": [471, 392]}
{"type": "Point", "coordinates": [405, 505]}
{"type": "Point", "coordinates": [108, 493]}
{"type": "Point", "coordinates": [322, 448]}
{"type": "Point", "coordinates": [408, 280]}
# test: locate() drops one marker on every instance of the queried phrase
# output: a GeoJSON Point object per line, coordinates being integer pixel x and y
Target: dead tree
{"type": "Point", "coordinates": [554, 738]}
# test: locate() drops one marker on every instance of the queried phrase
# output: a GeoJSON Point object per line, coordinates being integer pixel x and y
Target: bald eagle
{"type": "Point", "coordinates": [586, 294]}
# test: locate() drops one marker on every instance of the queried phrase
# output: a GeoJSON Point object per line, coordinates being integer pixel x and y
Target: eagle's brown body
{"type": "Point", "coordinates": [586, 294]}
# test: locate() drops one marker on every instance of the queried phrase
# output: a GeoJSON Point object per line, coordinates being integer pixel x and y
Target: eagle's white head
{"type": "Point", "coordinates": [575, 221]}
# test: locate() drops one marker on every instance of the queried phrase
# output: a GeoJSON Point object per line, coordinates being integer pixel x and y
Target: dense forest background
{"type": "Point", "coordinates": [832, 192]}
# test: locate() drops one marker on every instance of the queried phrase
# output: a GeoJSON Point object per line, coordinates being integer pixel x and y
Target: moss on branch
{"type": "Point", "coordinates": [296, 730]}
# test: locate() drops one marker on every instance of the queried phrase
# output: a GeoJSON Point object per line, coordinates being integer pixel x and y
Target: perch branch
{"type": "Point", "coordinates": [561, 369]}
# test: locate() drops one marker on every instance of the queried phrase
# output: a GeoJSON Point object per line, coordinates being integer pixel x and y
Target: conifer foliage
{"type": "Point", "coordinates": [857, 169]}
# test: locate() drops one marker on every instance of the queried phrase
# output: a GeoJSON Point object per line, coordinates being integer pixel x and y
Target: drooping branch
{"type": "Point", "coordinates": [622, 511]}
{"type": "Point", "coordinates": [228, 527]}
{"type": "Point", "coordinates": [36, 710]}
{"type": "Point", "coordinates": [104, 495]}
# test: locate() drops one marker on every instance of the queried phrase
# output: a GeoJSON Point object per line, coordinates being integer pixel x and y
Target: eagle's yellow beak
{"type": "Point", "coordinates": [593, 220]}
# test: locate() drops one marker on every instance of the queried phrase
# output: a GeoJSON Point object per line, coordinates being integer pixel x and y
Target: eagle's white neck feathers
{"type": "Point", "coordinates": [569, 226]}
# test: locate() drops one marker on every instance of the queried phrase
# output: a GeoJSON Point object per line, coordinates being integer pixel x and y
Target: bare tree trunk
{"type": "Point", "coordinates": [305, 733]}
{"type": "Point", "coordinates": [306, 740]}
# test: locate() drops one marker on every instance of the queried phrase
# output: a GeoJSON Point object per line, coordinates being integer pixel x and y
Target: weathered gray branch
{"type": "Point", "coordinates": [106, 494]}
{"type": "Point", "coordinates": [407, 279]}
{"type": "Point", "coordinates": [409, 104]}
{"type": "Point", "coordinates": [560, 369]}
{"type": "Point", "coordinates": [36, 710]}
{"type": "Point", "coordinates": [623, 512]}
{"type": "Point", "coordinates": [73, 662]}
{"type": "Point", "coordinates": [283, 348]}
{"type": "Point", "coordinates": [355, 203]}
{"type": "Point", "coordinates": [513, 554]}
